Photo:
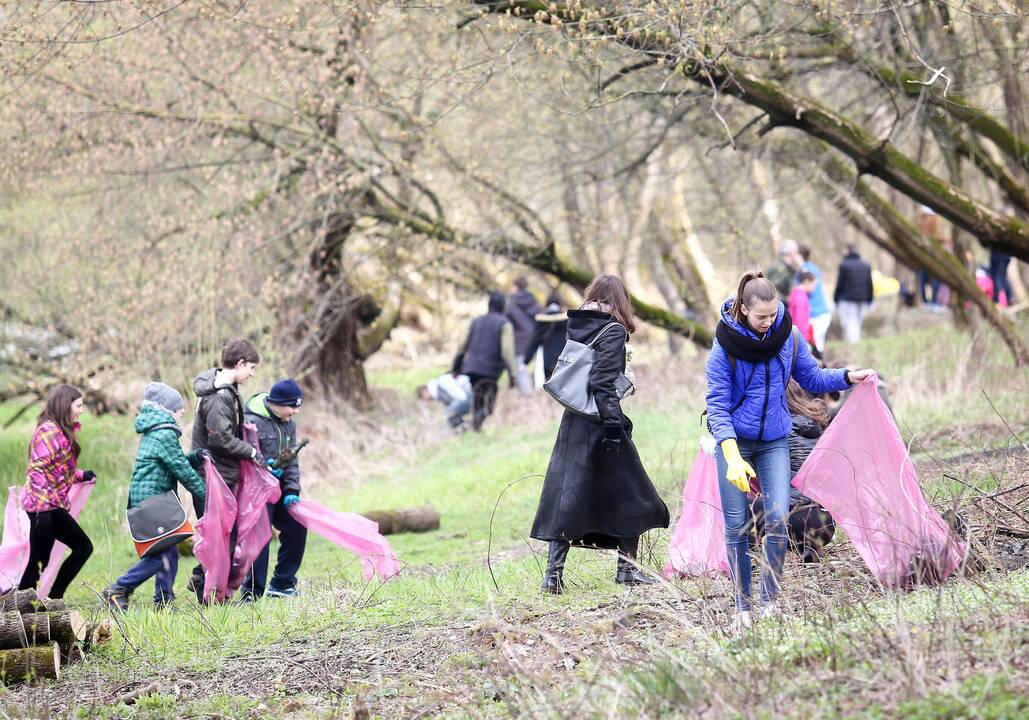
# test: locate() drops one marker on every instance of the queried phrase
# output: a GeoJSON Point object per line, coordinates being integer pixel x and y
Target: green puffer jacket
{"type": "Point", "coordinates": [160, 462]}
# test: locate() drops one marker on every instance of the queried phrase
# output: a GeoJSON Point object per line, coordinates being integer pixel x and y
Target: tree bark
{"type": "Point", "coordinates": [403, 520]}
{"type": "Point", "coordinates": [65, 627]}
{"type": "Point", "coordinates": [12, 631]}
{"type": "Point", "coordinates": [27, 601]}
{"type": "Point", "coordinates": [30, 664]}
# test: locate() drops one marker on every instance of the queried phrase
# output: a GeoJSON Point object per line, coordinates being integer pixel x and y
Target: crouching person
{"type": "Point", "coordinates": [454, 393]}
{"type": "Point", "coordinates": [273, 413]}
{"type": "Point", "coordinates": [160, 466]}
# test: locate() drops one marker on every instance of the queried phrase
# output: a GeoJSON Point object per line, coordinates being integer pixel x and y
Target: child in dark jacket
{"type": "Point", "coordinates": [272, 413]}
{"type": "Point", "coordinates": [160, 466]}
{"type": "Point", "coordinates": [754, 355]}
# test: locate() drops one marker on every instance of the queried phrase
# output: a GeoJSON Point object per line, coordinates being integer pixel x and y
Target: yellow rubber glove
{"type": "Point", "coordinates": [739, 470]}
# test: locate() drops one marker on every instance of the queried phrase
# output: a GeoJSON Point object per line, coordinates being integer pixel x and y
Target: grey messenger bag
{"type": "Point", "coordinates": [569, 384]}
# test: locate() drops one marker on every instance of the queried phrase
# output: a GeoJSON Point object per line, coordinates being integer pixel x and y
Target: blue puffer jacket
{"type": "Point", "coordinates": [750, 402]}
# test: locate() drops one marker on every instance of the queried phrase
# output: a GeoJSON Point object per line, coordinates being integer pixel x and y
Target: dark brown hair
{"type": "Point", "coordinates": [752, 287]}
{"type": "Point", "coordinates": [800, 402]}
{"type": "Point", "coordinates": [610, 290]}
{"type": "Point", "coordinates": [521, 282]}
{"type": "Point", "coordinates": [58, 411]}
{"type": "Point", "coordinates": [236, 350]}
{"type": "Point", "coordinates": [805, 252]}
{"type": "Point", "coordinates": [805, 276]}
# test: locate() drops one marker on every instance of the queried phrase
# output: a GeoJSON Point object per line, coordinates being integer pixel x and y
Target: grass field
{"type": "Point", "coordinates": [457, 636]}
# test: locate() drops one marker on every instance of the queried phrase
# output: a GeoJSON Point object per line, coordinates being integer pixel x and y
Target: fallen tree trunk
{"type": "Point", "coordinates": [12, 632]}
{"type": "Point", "coordinates": [29, 664]}
{"type": "Point", "coordinates": [391, 522]}
{"type": "Point", "coordinates": [64, 627]}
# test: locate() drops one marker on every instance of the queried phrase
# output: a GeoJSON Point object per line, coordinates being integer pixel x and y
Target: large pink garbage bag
{"type": "Point", "coordinates": [14, 550]}
{"type": "Point", "coordinates": [351, 532]}
{"type": "Point", "coordinates": [77, 497]}
{"type": "Point", "coordinates": [860, 471]}
{"type": "Point", "coordinates": [212, 534]}
{"type": "Point", "coordinates": [697, 547]}
{"type": "Point", "coordinates": [257, 489]}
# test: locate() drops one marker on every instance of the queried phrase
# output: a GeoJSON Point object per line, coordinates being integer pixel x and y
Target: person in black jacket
{"type": "Point", "coordinates": [218, 423]}
{"type": "Point", "coordinates": [550, 333]}
{"type": "Point", "coordinates": [272, 413]}
{"type": "Point", "coordinates": [522, 308]}
{"type": "Point", "coordinates": [596, 492]}
{"type": "Point", "coordinates": [488, 350]}
{"type": "Point", "coordinates": [853, 293]}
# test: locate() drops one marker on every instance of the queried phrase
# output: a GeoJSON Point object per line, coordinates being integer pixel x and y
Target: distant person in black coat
{"type": "Point", "coordinates": [487, 351]}
{"type": "Point", "coordinates": [853, 293]}
{"type": "Point", "coordinates": [522, 309]}
{"type": "Point", "coordinates": [596, 492]}
{"type": "Point", "coordinates": [550, 333]}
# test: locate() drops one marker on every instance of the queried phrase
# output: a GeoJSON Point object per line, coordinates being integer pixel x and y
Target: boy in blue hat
{"type": "Point", "coordinates": [272, 413]}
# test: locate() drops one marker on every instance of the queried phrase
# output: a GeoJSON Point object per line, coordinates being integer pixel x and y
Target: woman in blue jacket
{"type": "Point", "coordinates": [752, 359]}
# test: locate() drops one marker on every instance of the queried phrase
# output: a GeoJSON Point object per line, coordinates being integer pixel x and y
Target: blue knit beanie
{"type": "Point", "coordinates": [286, 393]}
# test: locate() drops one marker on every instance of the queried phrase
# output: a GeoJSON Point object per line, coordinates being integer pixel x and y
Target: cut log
{"type": "Point", "coordinates": [29, 664]}
{"type": "Point", "coordinates": [71, 653]}
{"type": "Point", "coordinates": [96, 635]}
{"type": "Point", "coordinates": [62, 627]}
{"type": "Point", "coordinates": [391, 522]}
{"type": "Point", "coordinates": [12, 632]}
{"type": "Point", "coordinates": [24, 601]}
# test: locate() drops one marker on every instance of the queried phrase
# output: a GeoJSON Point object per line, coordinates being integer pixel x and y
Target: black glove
{"type": "Point", "coordinates": [203, 454]}
{"type": "Point", "coordinates": [88, 476]}
{"type": "Point", "coordinates": [612, 441]}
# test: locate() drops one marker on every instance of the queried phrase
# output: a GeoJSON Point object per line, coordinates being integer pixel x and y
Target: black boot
{"type": "Point", "coordinates": [556, 554]}
{"type": "Point", "coordinates": [628, 573]}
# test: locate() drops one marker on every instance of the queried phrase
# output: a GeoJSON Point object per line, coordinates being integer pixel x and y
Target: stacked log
{"type": "Point", "coordinates": [39, 635]}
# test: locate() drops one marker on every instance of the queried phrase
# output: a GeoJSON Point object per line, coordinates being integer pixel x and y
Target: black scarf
{"type": "Point", "coordinates": [743, 347]}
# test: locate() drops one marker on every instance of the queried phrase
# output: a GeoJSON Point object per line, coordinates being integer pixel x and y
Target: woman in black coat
{"type": "Point", "coordinates": [596, 493]}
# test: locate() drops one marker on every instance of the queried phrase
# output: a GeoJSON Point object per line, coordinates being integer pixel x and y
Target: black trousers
{"type": "Point", "coordinates": [46, 528]}
{"type": "Point", "coordinates": [484, 398]}
{"type": "Point", "coordinates": [292, 541]}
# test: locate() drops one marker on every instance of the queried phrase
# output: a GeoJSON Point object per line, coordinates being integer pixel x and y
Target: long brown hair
{"type": "Point", "coordinates": [58, 411]}
{"type": "Point", "coordinates": [800, 403]}
{"type": "Point", "coordinates": [752, 287]}
{"type": "Point", "coordinates": [610, 290]}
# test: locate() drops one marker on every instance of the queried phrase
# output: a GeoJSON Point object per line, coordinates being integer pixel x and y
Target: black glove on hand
{"type": "Point", "coordinates": [88, 476]}
{"type": "Point", "coordinates": [612, 441]}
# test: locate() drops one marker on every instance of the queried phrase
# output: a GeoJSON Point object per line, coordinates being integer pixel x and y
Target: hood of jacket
{"type": "Point", "coordinates": [211, 381]}
{"type": "Point", "coordinates": [497, 302]}
{"type": "Point", "coordinates": [739, 327]}
{"type": "Point", "coordinates": [257, 406]}
{"type": "Point", "coordinates": [584, 324]}
{"type": "Point", "coordinates": [152, 417]}
{"type": "Point", "coordinates": [805, 426]}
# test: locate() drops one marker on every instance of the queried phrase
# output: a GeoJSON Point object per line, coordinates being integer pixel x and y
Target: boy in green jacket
{"type": "Point", "coordinates": [160, 465]}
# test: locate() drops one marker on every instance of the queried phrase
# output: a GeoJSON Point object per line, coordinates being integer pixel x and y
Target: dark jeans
{"type": "Point", "coordinates": [484, 399]}
{"type": "Point", "coordinates": [999, 275]}
{"type": "Point", "coordinates": [162, 568]}
{"type": "Point", "coordinates": [292, 541]}
{"type": "Point", "coordinates": [934, 287]}
{"type": "Point", "coordinates": [45, 529]}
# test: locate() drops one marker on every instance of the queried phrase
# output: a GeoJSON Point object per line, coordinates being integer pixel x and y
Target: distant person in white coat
{"type": "Point", "coordinates": [454, 393]}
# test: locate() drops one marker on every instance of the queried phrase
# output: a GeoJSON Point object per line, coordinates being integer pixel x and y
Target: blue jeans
{"type": "Point", "coordinates": [292, 541]}
{"type": "Point", "coordinates": [771, 460]}
{"type": "Point", "coordinates": [162, 568]}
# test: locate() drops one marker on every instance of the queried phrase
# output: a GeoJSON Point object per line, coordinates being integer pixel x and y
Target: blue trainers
{"type": "Point", "coordinates": [281, 593]}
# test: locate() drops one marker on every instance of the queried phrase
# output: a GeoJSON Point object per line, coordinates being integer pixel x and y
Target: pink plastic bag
{"type": "Point", "coordinates": [77, 497]}
{"type": "Point", "coordinates": [351, 532]}
{"type": "Point", "coordinates": [14, 550]}
{"type": "Point", "coordinates": [212, 534]}
{"type": "Point", "coordinates": [861, 473]}
{"type": "Point", "coordinates": [697, 546]}
{"type": "Point", "coordinates": [257, 489]}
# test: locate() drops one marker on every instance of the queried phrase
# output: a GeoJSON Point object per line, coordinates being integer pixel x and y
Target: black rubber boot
{"type": "Point", "coordinates": [628, 573]}
{"type": "Point", "coordinates": [556, 554]}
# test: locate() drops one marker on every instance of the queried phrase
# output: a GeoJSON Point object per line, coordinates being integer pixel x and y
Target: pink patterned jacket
{"type": "Point", "coordinates": [51, 470]}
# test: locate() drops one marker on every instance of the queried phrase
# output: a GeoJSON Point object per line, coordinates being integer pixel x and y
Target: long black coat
{"type": "Point", "coordinates": [591, 496]}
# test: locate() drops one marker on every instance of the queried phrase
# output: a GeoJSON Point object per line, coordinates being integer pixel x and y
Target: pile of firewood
{"type": "Point", "coordinates": [38, 636]}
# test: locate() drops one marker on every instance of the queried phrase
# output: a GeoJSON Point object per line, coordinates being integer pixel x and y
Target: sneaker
{"type": "Point", "coordinates": [769, 611]}
{"type": "Point", "coordinates": [116, 597]}
{"type": "Point", "coordinates": [281, 593]}
{"type": "Point", "coordinates": [246, 599]}
{"type": "Point", "coordinates": [742, 622]}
